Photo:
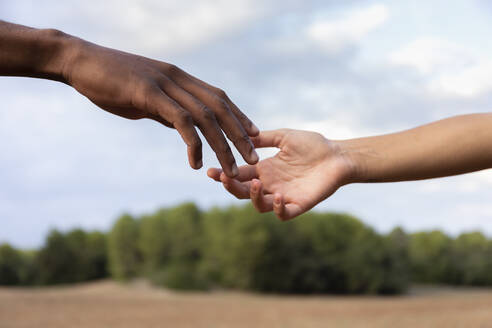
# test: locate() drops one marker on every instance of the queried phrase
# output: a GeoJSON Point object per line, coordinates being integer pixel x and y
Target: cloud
{"type": "Point", "coordinates": [451, 69]}
{"type": "Point", "coordinates": [328, 32]}
{"type": "Point", "coordinates": [148, 26]}
{"type": "Point", "coordinates": [332, 35]}
{"type": "Point", "coordinates": [469, 82]}
{"type": "Point", "coordinates": [430, 55]}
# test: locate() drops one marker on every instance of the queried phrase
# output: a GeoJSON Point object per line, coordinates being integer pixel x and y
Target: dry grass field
{"type": "Point", "coordinates": [107, 304]}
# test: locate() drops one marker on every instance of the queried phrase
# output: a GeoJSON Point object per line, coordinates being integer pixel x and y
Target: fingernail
{"type": "Point", "coordinates": [199, 164]}
{"type": "Point", "coordinates": [235, 170]}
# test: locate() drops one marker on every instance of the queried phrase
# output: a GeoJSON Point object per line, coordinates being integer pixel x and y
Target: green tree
{"type": "Point", "coordinates": [55, 261]}
{"type": "Point", "coordinates": [470, 260]}
{"type": "Point", "coordinates": [430, 255]}
{"type": "Point", "coordinates": [10, 265]}
{"type": "Point", "coordinates": [123, 253]}
{"type": "Point", "coordinates": [396, 263]}
{"type": "Point", "coordinates": [72, 257]}
{"type": "Point", "coordinates": [154, 246]}
{"type": "Point", "coordinates": [172, 246]}
{"type": "Point", "coordinates": [235, 241]}
{"type": "Point", "coordinates": [96, 249]}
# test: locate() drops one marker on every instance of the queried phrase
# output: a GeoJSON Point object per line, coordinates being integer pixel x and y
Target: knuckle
{"type": "Point", "coordinates": [245, 139]}
{"type": "Point", "coordinates": [221, 94]}
{"type": "Point", "coordinates": [164, 82]}
{"type": "Point", "coordinates": [221, 105]}
{"type": "Point", "coordinates": [207, 115]}
{"type": "Point", "coordinates": [173, 70]}
{"type": "Point", "coordinates": [183, 118]}
{"type": "Point", "coordinates": [242, 139]}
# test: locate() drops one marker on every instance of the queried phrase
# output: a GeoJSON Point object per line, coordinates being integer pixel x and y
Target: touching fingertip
{"type": "Point", "coordinates": [278, 199]}
{"type": "Point", "coordinates": [254, 130]}
{"type": "Point", "coordinates": [254, 157]}
{"type": "Point", "coordinates": [235, 170]}
{"type": "Point", "coordinates": [255, 186]}
{"type": "Point", "coordinates": [222, 177]}
{"type": "Point", "coordinates": [211, 174]}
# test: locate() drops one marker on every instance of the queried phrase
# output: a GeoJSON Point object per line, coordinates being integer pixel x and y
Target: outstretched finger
{"type": "Point", "coordinates": [238, 189]}
{"type": "Point", "coordinates": [272, 138]}
{"type": "Point", "coordinates": [246, 173]}
{"type": "Point", "coordinates": [263, 203]}
{"type": "Point", "coordinates": [214, 173]}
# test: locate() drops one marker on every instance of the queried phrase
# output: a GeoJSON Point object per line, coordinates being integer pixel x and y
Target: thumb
{"type": "Point", "coordinates": [272, 138]}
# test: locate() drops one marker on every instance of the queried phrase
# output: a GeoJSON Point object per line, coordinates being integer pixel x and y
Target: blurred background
{"type": "Point", "coordinates": [343, 68]}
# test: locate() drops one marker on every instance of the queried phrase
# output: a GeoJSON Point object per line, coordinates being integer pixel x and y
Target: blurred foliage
{"type": "Point", "coordinates": [72, 257]}
{"type": "Point", "coordinates": [235, 247]}
{"type": "Point", "coordinates": [11, 265]}
{"type": "Point", "coordinates": [123, 254]}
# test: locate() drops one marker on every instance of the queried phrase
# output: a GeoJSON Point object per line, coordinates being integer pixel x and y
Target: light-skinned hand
{"type": "Point", "coordinates": [307, 169]}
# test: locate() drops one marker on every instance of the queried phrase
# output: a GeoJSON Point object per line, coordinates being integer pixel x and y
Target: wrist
{"type": "Point", "coordinates": [56, 49]}
{"type": "Point", "coordinates": [356, 163]}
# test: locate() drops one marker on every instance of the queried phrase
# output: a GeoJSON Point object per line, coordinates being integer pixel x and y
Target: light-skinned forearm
{"type": "Point", "coordinates": [451, 146]}
{"type": "Point", "coordinates": [30, 52]}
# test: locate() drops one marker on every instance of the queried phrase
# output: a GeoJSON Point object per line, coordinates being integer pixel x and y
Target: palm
{"type": "Point", "coordinates": [297, 172]}
{"type": "Point", "coordinates": [306, 170]}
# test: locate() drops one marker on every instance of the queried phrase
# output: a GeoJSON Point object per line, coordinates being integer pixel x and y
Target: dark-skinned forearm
{"type": "Point", "coordinates": [29, 52]}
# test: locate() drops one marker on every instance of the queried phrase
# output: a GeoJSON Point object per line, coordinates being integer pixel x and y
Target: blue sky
{"type": "Point", "coordinates": [345, 69]}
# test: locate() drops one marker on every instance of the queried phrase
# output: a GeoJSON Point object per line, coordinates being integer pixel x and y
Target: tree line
{"type": "Point", "coordinates": [235, 247]}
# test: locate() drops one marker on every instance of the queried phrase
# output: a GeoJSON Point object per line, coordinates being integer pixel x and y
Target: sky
{"type": "Point", "coordinates": [345, 69]}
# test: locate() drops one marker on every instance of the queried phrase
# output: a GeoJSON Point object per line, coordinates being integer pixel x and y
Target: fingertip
{"type": "Point", "coordinates": [195, 165]}
{"type": "Point", "coordinates": [254, 158]}
{"type": "Point", "coordinates": [214, 173]}
{"type": "Point", "coordinates": [195, 157]}
{"type": "Point", "coordinates": [255, 185]}
{"type": "Point", "coordinates": [235, 170]}
{"type": "Point", "coordinates": [277, 199]}
{"type": "Point", "coordinates": [253, 130]}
